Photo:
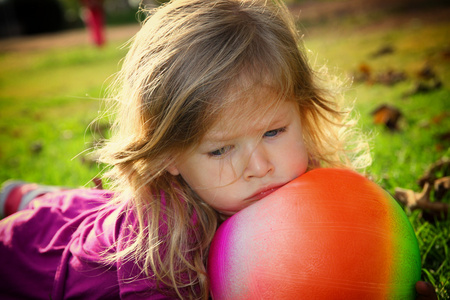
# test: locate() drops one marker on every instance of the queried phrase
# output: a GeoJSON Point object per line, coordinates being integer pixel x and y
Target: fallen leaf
{"type": "Point", "coordinates": [391, 77]}
{"type": "Point", "coordinates": [441, 187]}
{"type": "Point", "coordinates": [426, 73]}
{"type": "Point", "coordinates": [429, 182]}
{"type": "Point", "coordinates": [421, 200]}
{"type": "Point", "coordinates": [441, 166]}
{"type": "Point", "coordinates": [36, 147]}
{"type": "Point", "coordinates": [388, 49]}
{"type": "Point", "coordinates": [387, 115]}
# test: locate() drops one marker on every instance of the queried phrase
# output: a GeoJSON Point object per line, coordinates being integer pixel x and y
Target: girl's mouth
{"type": "Point", "coordinates": [263, 193]}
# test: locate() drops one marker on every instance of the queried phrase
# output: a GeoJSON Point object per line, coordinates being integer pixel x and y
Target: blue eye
{"type": "Point", "coordinates": [275, 132]}
{"type": "Point", "coordinates": [221, 151]}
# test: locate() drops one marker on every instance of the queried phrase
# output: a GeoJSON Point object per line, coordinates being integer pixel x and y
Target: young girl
{"type": "Point", "coordinates": [217, 107]}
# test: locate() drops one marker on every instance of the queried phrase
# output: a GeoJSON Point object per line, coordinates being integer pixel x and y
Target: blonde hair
{"type": "Point", "coordinates": [183, 62]}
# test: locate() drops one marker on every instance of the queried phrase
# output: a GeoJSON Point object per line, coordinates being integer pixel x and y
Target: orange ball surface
{"type": "Point", "coordinates": [329, 234]}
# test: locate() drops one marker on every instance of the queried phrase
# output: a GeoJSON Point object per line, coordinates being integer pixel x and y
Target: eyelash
{"type": "Point", "coordinates": [275, 131]}
{"type": "Point", "coordinates": [224, 150]}
{"type": "Point", "coordinates": [220, 152]}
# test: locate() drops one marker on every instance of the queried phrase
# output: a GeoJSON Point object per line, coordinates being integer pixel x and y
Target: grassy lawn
{"type": "Point", "coordinates": [49, 98]}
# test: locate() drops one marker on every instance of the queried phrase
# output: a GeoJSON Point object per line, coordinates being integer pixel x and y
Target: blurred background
{"type": "Point", "coordinates": [58, 58]}
{"type": "Point", "coordinates": [29, 17]}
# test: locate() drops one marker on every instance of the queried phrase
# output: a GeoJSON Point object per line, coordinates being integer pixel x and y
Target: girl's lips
{"type": "Point", "coordinates": [263, 193]}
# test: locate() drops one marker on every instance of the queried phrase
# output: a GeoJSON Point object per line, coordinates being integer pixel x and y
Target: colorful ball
{"type": "Point", "coordinates": [329, 234]}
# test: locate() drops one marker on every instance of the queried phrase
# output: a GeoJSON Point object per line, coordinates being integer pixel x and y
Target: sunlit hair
{"type": "Point", "coordinates": [182, 70]}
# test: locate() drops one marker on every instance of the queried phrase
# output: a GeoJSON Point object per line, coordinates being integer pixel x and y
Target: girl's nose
{"type": "Point", "coordinates": [259, 164]}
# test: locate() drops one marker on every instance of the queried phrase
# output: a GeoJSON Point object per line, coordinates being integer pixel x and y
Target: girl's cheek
{"type": "Point", "coordinates": [232, 166]}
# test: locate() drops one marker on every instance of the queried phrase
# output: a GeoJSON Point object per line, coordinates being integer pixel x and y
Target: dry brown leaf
{"type": "Point", "coordinates": [387, 115]}
{"type": "Point", "coordinates": [429, 182]}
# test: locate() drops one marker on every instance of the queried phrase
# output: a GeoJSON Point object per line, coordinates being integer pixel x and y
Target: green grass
{"type": "Point", "coordinates": [49, 98]}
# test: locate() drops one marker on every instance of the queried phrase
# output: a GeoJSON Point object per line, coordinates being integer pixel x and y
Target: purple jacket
{"type": "Point", "coordinates": [52, 250]}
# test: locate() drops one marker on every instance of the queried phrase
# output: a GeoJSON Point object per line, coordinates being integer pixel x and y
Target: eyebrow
{"type": "Point", "coordinates": [225, 135]}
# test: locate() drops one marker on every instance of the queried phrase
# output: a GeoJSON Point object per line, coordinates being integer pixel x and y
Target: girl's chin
{"type": "Point", "coordinates": [228, 213]}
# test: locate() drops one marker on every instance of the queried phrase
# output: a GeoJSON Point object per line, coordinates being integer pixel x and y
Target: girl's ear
{"type": "Point", "coordinates": [172, 169]}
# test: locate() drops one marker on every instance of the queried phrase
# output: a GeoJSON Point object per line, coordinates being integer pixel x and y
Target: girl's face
{"type": "Point", "coordinates": [230, 170]}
